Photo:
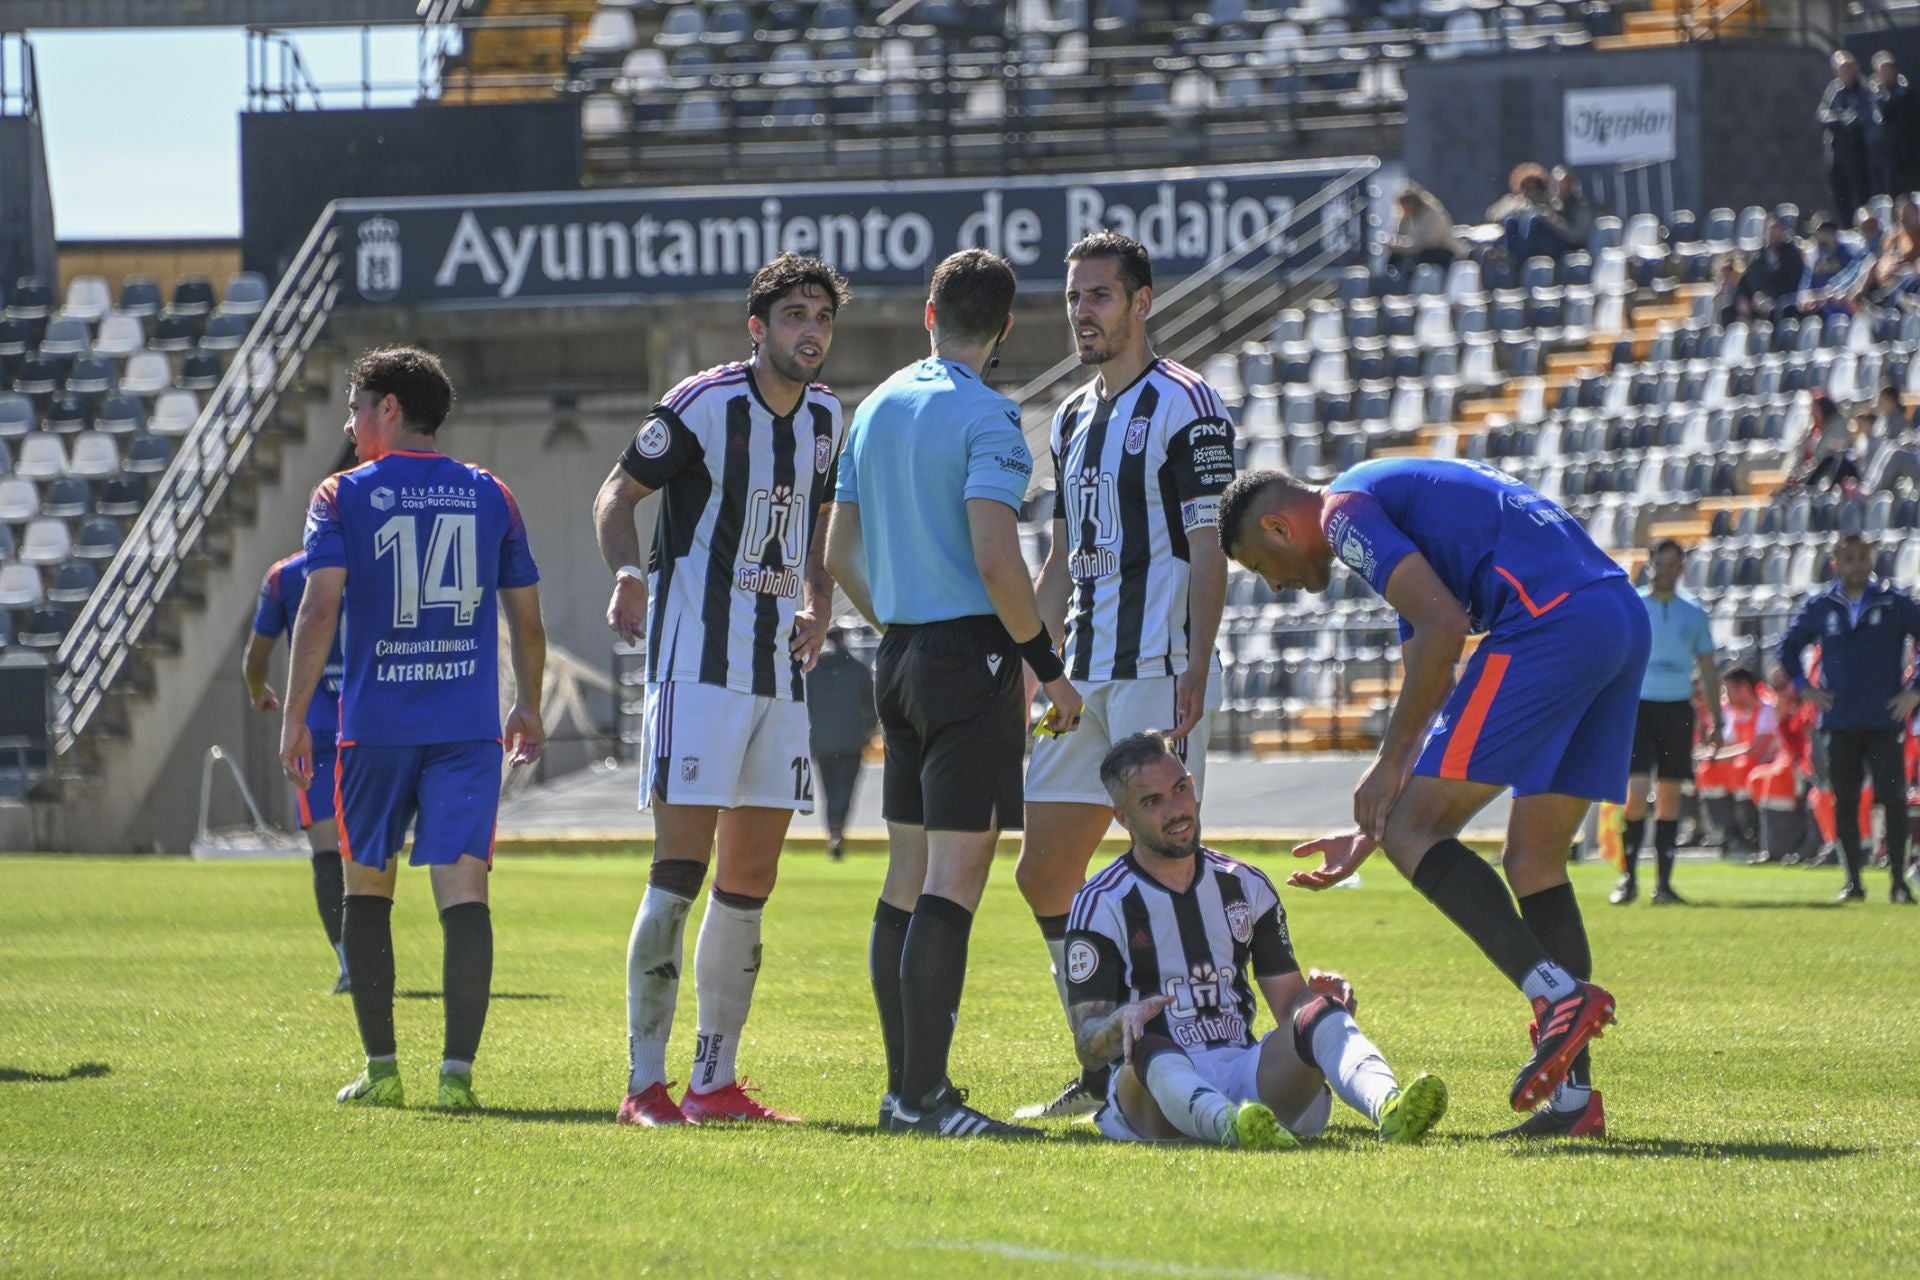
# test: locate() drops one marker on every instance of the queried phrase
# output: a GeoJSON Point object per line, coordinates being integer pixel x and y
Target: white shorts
{"type": "Point", "coordinates": [1066, 769]}
{"type": "Point", "coordinates": [1234, 1072]}
{"type": "Point", "coordinates": [708, 745]}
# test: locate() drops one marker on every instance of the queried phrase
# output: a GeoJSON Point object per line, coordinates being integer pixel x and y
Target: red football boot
{"type": "Point", "coordinates": [1588, 1122]}
{"type": "Point", "coordinates": [730, 1102]}
{"type": "Point", "coordinates": [1565, 1027]}
{"type": "Point", "coordinates": [652, 1108]}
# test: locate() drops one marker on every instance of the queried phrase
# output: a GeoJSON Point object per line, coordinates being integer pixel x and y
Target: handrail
{"type": "Point", "coordinates": [19, 96]}
{"type": "Point", "coordinates": [1200, 297]}
{"type": "Point", "coordinates": [168, 529]}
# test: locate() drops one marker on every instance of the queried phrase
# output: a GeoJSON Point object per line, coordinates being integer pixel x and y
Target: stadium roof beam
{"type": "Point", "coordinates": [48, 15]}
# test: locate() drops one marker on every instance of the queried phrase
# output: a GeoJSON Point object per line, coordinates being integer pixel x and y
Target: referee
{"type": "Point", "coordinates": [1663, 731]}
{"type": "Point", "coordinates": [935, 466]}
{"type": "Point", "coordinates": [1862, 626]}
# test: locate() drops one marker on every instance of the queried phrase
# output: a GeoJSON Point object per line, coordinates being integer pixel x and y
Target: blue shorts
{"type": "Point", "coordinates": [448, 793]}
{"type": "Point", "coordinates": [316, 802]}
{"type": "Point", "coordinates": [1548, 704]}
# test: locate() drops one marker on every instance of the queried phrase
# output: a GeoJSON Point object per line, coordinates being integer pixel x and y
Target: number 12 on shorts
{"type": "Point", "coordinates": [802, 778]}
{"type": "Point", "coordinates": [451, 577]}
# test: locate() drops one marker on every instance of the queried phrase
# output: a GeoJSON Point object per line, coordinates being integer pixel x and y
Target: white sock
{"type": "Point", "coordinates": [1352, 1064]}
{"type": "Point", "coordinates": [1195, 1107]}
{"type": "Point", "coordinates": [1570, 1096]}
{"type": "Point", "coordinates": [455, 1067]}
{"type": "Point", "coordinates": [1549, 981]}
{"type": "Point", "coordinates": [653, 984]}
{"type": "Point", "coordinates": [726, 961]}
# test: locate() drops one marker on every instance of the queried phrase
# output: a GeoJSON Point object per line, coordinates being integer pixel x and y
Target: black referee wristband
{"type": "Point", "coordinates": [1038, 653]}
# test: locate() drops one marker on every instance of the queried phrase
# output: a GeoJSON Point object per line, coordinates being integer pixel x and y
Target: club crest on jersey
{"type": "Point", "coordinates": [689, 768]}
{"type": "Point", "coordinates": [381, 498]}
{"type": "Point", "coordinates": [1240, 922]}
{"type": "Point", "coordinates": [822, 453]}
{"type": "Point", "coordinates": [1137, 435]}
{"type": "Point", "coordinates": [1083, 961]}
{"type": "Point", "coordinates": [653, 439]}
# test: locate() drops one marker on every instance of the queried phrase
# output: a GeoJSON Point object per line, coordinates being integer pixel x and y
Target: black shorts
{"type": "Point", "coordinates": [1663, 741]}
{"type": "Point", "coordinates": [951, 697]}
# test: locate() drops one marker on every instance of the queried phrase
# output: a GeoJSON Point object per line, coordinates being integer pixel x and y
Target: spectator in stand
{"type": "Point", "coordinates": [1726, 289]}
{"type": "Point", "coordinates": [1827, 455]}
{"type": "Point", "coordinates": [1780, 786]}
{"type": "Point", "coordinates": [1851, 285]}
{"type": "Point", "coordinates": [842, 718]}
{"type": "Point", "coordinates": [1422, 232]}
{"type": "Point", "coordinates": [1832, 259]}
{"type": "Point", "coordinates": [1576, 212]}
{"type": "Point", "coordinates": [1891, 461]}
{"type": "Point", "coordinates": [1843, 115]}
{"type": "Point", "coordinates": [1530, 227]}
{"type": "Point", "coordinates": [1771, 276]}
{"type": "Point", "coordinates": [1749, 736]}
{"type": "Point", "coordinates": [1862, 626]}
{"type": "Point", "coordinates": [1892, 126]}
{"type": "Point", "coordinates": [1899, 262]}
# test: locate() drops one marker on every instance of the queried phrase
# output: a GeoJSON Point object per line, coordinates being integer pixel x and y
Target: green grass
{"type": "Point", "coordinates": [1761, 1091]}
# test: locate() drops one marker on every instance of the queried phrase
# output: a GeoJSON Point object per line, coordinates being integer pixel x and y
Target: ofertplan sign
{"type": "Point", "coordinates": [606, 245]}
{"type": "Point", "coordinates": [1620, 126]}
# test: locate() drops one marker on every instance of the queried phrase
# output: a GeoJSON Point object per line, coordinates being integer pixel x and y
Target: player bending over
{"type": "Point", "coordinates": [411, 558]}
{"type": "Point", "coordinates": [1546, 706]}
{"type": "Point", "coordinates": [1160, 949]}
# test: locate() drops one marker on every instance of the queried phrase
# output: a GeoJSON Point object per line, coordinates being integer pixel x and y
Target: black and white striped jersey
{"type": "Point", "coordinates": [1130, 937]}
{"type": "Point", "coordinates": [1136, 472]}
{"type": "Point", "coordinates": [741, 491]}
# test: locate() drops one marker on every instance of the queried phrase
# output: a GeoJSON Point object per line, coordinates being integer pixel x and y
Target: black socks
{"type": "Point", "coordinates": [1471, 894]}
{"type": "Point", "coordinates": [933, 970]}
{"type": "Point", "coordinates": [1554, 916]}
{"type": "Point", "coordinates": [466, 976]}
{"type": "Point", "coordinates": [883, 965]}
{"type": "Point", "coordinates": [330, 892]}
{"type": "Point", "coordinates": [366, 930]}
{"type": "Point", "coordinates": [1630, 841]}
{"type": "Point", "coordinates": [1666, 837]}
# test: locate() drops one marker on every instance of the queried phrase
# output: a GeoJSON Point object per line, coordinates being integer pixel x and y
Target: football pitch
{"type": "Point", "coordinates": [168, 1060]}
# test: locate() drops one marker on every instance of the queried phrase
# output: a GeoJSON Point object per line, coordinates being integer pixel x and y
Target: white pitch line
{"type": "Point", "coordinates": [1085, 1262]}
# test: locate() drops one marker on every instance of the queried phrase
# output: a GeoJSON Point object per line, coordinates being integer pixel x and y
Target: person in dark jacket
{"type": "Point", "coordinates": [1892, 123]}
{"type": "Point", "coordinates": [841, 713]}
{"type": "Point", "coordinates": [1845, 109]}
{"type": "Point", "coordinates": [1862, 626]}
{"type": "Point", "coordinates": [1772, 276]}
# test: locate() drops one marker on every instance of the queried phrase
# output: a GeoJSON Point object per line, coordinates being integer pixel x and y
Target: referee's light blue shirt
{"type": "Point", "coordinates": [1681, 634]}
{"type": "Point", "coordinates": [928, 439]}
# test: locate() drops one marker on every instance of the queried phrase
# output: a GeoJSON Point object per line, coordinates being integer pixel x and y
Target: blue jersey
{"type": "Point", "coordinates": [426, 542]}
{"type": "Point", "coordinates": [1504, 551]}
{"type": "Point", "coordinates": [928, 439]}
{"type": "Point", "coordinates": [1863, 651]}
{"type": "Point", "coordinates": [1682, 635]}
{"type": "Point", "coordinates": [280, 594]}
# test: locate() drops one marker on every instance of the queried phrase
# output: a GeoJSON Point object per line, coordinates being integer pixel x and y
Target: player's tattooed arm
{"type": "Point", "coordinates": [1103, 1030]}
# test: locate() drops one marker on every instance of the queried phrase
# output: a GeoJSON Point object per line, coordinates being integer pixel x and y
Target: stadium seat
{"type": "Point", "coordinates": [682, 25]}
{"type": "Point", "coordinates": [246, 293]}
{"type": "Point", "coordinates": [68, 498]}
{"type": "Point", "coordinates": [139, 297]}
{"type": "Point", "coordinates": [201, 371]}
{"type": "Point", "coordinates": [88, 298]}
{"type": "Point", "coordinates": [225, 331]}
{"type": "Point", "coordinates": [17, 336]}
{"type": "Point", "coordinates": [38, 375]}
{"type": "Point", "coordinates": [31, 299]}
{"type": "Point", "coordinates": [73, 583]}
{"type": "Point", "coordinates": [174, 413]}
{"type": "Point", "coordinates": [95, 456]}
{"type": "Point", "coordinates": [122, 496]}
{"type": "Point", "coordinates": [146, 374]}
{"type": "Point", "coordinates": [147, 455]}
{"type": "Point", "coordinates": [16, 416]}
{"type": "Point", "coordinates": [120, 336]}
{"type": "Point", "coordinates": [65, 415]}
{"type": "Point", "coordinates": [174, 331]}
{"type": "Point", "coordinates": [99, 540]}
{"type": "Point", "coordinates": [47, 541]}
{"type": "Point", "coordinates": [19, 500]}
{"type": "Point", "coordinates": [603, 116]}
{"type": "Point", "coordinates": [610, 33]}
{"type": "Point", "coordinates": [192, 296]}
{"type": "Point", "coordinates": [120, 415]}
{"type": "Point", "coordinates": [45, 628]}
{"type": "Point", "coordinates": [21, 587]}
{"type": "Point", "coordinates": [41, 457]}
{"type": "Point", "coordinates": [90, 375]}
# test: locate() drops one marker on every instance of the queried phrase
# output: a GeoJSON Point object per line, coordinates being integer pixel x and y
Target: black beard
{"type": "Point", "coordinates": [1173, 852]}
{"type": "Point", "coordinates": [790, 368]}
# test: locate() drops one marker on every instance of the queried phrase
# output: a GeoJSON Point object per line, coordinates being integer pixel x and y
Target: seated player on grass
{"type": "Point", "coordinates": [1163, 948]}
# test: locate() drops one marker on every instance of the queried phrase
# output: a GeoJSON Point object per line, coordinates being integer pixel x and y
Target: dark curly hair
{"type": "Point", "coordinates": [412, 376]}
{"type": "Point", "coordinates": [788, 272]}
{"type": "Point", "coordinates": [1136, 268]}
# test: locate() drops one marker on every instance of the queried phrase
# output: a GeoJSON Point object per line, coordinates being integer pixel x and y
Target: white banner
{"type": "Point", "coordinates": [1617, 126]}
